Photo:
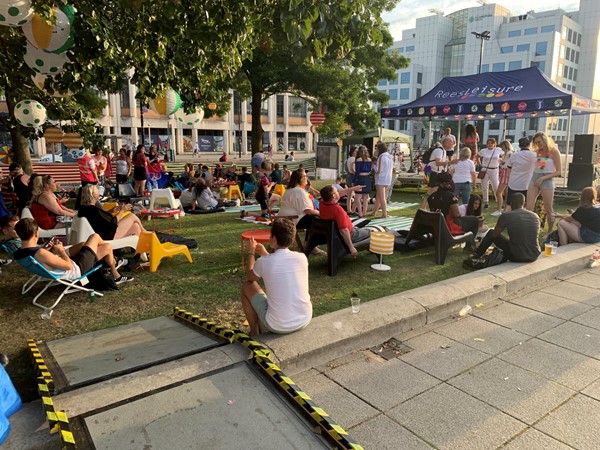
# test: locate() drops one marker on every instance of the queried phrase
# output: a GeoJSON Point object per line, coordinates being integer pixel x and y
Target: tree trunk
{"type": "Point", "coordinates": [20, 143]}
{"type": "Point", "coordinates": [257, 129]}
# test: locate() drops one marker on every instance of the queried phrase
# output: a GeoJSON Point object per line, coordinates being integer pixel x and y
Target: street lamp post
{"type": "Point", "coordinates": [483, 36]}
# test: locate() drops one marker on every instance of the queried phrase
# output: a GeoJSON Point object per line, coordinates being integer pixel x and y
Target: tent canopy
{"type": "Point", "coordinates": [387, 136]}
{"type": "Point", "coordinates": [512, 94]}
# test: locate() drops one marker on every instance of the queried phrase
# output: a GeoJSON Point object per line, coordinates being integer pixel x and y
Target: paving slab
{"type": "Point", "coordinates": [29, 430]}
{"type": "Point", "coordinates": [590, 318]}
{"type": "Point", "coordinates": [552, 304]}
{"type": "Point", "coordinates": [382, 384]}
{"type": "Point", "coordinates": [482, 335]}
{"type": "Point", "coordinates": [382, 433]}
{"type": "Point", "coordinates": [441, 357]}
{"type": "Point", "coordinates": [575, 423]}
{"type": "Point", "coordinates": [593, 390]}
{"type": "Point", "coordinates": [566, 367]}
{"type": "Point", "coordinates": [513, 390]}
{"type": "Point", "coordinates": [575, 337]}
{"type": "Point", "coordinates": [99, 354]}
{"type": "Point", "coordinates": [574, 292]}
{"type": "Point", "coordinates": [534, 439]}
{"type": "Point", "coordinates": [520, 319]}
{"type": "Point", "coordinates": [587, 279]}
{"type": "Point", "coordinates": [450, 419]}
{"type": "Point", "coordinates": [229, 409]}
{"type": "Point", "coordinates": [347, 409]}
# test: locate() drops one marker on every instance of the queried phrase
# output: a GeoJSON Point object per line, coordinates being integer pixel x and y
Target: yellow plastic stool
{"type": "Point", "coordinates": [234, 190]}
{"type": "Point", "coordinates": [148, 242]}
{"type": "Point", "coordinates": [279, 190]}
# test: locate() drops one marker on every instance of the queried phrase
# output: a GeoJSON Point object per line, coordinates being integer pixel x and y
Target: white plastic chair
{"type": "Point", "coordinates": [81, 230]}
{"type": "Point", "coordinates": [26, 214]}
{"type": "Point", "coordinates": [166, 194]}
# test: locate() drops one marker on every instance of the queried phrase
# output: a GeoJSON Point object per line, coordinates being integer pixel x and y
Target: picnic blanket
{"type": "Point", "coordinates": [393, 206]}
{"type": "Point", "coordinates": [393, 223]}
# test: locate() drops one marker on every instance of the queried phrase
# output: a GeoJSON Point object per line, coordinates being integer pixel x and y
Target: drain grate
{"type": "Point", "coordinates": [391, 349]}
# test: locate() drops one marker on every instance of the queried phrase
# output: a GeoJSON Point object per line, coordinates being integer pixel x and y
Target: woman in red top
{"type": "Point", "coordinates": [45, 207]}
{"type": "Point", "coordinates": [140, 174]}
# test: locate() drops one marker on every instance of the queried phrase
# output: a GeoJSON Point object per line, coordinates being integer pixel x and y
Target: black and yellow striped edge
{"type": "Point", "coordinates": [262, 356]}
{"type": "Point", "coordinates": [57, 420]}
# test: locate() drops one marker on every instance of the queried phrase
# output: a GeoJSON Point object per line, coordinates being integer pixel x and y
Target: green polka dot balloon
{"type": "Point", "coordinates": [190, 119]}
{"type": "Point", "coordinates": [30, 113]}
{"type": "Point", "coordinates": [15, 13]}
{"type": "Point", "coordinates": [43, 62]}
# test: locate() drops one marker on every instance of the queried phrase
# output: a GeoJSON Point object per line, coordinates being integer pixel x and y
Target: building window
{"type": "Point", "coordinates": [393, 93]}
{"type": "Point", "coordinates": [575, 75]}
{"type": "Point", "coordinates": [570, 35]}
{"type": "Point", "coordinates": [565, 72]}
{"type": "Point", "coordinates": [508, 49]}
{"type": "Point", "coordinates": [570, 73]}
{"type": "Point", "coordinates": [382, 83]}
{"type": "Point", "coordinates": [515, 65]}
{"type": "Point", "coordinates": [540, 64]}
{"type": "Point", "coordinates": [297, 107]}
{"type": "Point", "coordinates": [576, 57]}
{"type": "Point", "coordinates": [547, 29]}
{"type": "Point", "coordinates": [237, 104]}
{"type": "Point", "coordinates": [124, 94]}
{"type": "Point", "coordinates": [533, 123]}
{"type": "Point", "coordinates": [419, 91]}
{"type": "Point", "coordinates": [404, 93]}
{"type": "Point", "coordinates": [498, 67]}
{"type": "Point", "coordinates": [410, 48]}
{"type": "Point", "coordinates": [494, 125]}
{"type": "Point", "coordinates": [541, 48]}
{"type": "Point", "coordinates": [405, 78]}
{"type": "Point", "coordinates": [419, 77]}
{"type": "Point", "coordinates": [523, 47]}
{"type": "Point", "coordinates": [515, 33]}
{"type": "Point", "coordinates": [568, 53]}
{"type": "Point", "coordinates": [264, 108]}
{"type": "Point", "coordinates": [401, 50]}
{"type": "Point", "coordinates": [579, 40]}
{"type": "Point", "coordinates": [511, 124]}
{"type": "Point", "coordinates": [280, 106]}
{"type": "Point", "coordinates": [530, 31]}
{"type": "Point", "coordinates": [485, 68]}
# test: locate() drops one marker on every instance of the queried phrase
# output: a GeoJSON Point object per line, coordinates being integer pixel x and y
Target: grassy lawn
{"type": "Point", "coordinates": [209, 286]}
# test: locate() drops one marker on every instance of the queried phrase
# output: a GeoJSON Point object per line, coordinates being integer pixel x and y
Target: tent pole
{"type": "Point", "coordinates": [567, 150]}
{"type": "Point", "coordinates": [430, 133]}
{"type": "Point", "coordinates": [504, 128]}
{"type": "Point", "coordinates": [458, 137]}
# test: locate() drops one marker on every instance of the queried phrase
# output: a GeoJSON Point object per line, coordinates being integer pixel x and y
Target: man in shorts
{"type": "Point", "coordinates": [520, 170]}
{"type": "Point", "coordinates": [78, 260]}
{"type": "Point", "coordinates": [284, 306]}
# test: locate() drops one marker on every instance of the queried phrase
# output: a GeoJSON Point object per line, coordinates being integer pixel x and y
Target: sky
{"type": "Point", "coordinates": [405, 14]}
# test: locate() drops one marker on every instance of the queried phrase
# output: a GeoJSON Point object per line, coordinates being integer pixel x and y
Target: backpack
{"type": "Point", "coordinates": [427, 155]}
{"type": "Point", "coordinates": [102, 280]}
{"type": "Point", "coordinates": [491, 259]}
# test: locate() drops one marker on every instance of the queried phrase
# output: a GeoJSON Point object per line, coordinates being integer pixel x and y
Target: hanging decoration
{"type": "Point", "coordinates": [73, 141]}
{"type": "Point", "coordinates": [54, 38]}
{"type": "Point", "coordinates": [15, 13]}
{"type": "Point", "coordinates": [190, 119]}
{"type": "Point", "coordinates": [166, 103]}
{"type": "Point", "coordinates": [43, 62]}
{"type": "Point", "coordinates": [39, 80]}
{"type": "Point", "coordinates": [53, 135]}
{"type": "Point", "coordinates": [30, 113]}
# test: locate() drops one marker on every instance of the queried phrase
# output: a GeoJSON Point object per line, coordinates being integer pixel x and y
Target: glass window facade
{"type": "Point", "coordinates": [523, 47]}
{"type": "Point", "coordinates": [514, 33]}
{"type": "Point", "coordinates": [393, 93]}
{"type": "Point", "coordinates": [405, 78]}
{"type": "Point", "coordinates": [530, 31]}
{"type": "Point", "coordinates": [297, 107]}
{"type": "Point", "coordinates": [498, 67]}
{"type": "Point", "coordinates": [541, 48]}
{"type": "Point", "coordinates": [547, 29]}
{"type": "Point", "coordinates": [404, 94]}
{"type": "Point", "coordinates": [410, 48]}
{"type": "Point", "coordinates": [515, 65]}
{"type": "Point", "coordinates": [507, 49]}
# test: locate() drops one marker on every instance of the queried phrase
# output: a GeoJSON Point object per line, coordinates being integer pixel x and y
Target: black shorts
{"type": "Point", "coordinates": [139, 173]}
{"type": "Point", "coordinates": [433, 179]}
{"type": "Point", "coordinates": [86, 259]}
{"type": "Point", "coordinates": [262, 201]}
{"type": "Point", "coordinates": [511, 193]}
{"type": "Point", "coordinates": [122, 178]}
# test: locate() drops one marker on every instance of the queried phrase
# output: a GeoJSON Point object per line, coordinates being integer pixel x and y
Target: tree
{"type": "Point", "coordinates": [331, 54]}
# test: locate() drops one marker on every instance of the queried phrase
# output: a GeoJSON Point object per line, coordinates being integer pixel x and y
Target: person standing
{"type": "Point", "coordinates": [464, 176]}
{"type": "Point", "coordinates": [448, 132]}
{"type": "Point", "coordinates": [123, 167]}
{"type": "Point", "coordinates": [196, 149]}
{"type": "Point", "coordinates": [284, 305]}
{"type": "Point", "coordinates": [20, 184]}
{"type": "Point", "coordinates": [362, 177]}
{"type": "Point", "coordinates": [490, 162]}
{"type": "Point", "coordinates": [503, 174]}
{"type": "Point", "coordinates": [521, 166]}
{"type": "Point", "coordinates": [471, 140]}
{"type": "Point", "coordinates": [140, 170]}
{"type": "Point", "coordinates": [100, 162]}
{"type": "Point", "coordinates": [548, 166]}
{"type": "Point", "coordinates": [438, 163]}
{"type": "Point", "coordinates": [87, 171]}
{"type": "Point", "coordinates": [383, 178]}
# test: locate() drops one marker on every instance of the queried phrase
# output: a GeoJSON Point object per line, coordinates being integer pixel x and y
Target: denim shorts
{"type": "Point", "coordinates": [588, 236]}
{"type": "Point", "coordinates": [546, 184]}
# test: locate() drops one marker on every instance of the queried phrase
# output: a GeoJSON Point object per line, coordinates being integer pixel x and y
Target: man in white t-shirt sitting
{"type": "Point", "coordinates": [285, 307]}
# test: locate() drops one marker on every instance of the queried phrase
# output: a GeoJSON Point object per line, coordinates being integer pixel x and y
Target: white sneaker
{"type": "Point", "coordinates": [496, 213]}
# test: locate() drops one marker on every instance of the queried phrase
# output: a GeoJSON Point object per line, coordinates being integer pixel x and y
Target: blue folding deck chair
{"type": "Point", "coordinates": [41, 273]}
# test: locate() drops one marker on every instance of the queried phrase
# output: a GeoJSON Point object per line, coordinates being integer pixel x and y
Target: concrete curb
{"type": "Point", "coordinates": [335, 334]}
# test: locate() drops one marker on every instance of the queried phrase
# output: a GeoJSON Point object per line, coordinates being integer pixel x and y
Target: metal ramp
{"type": "Point", "coordinates": [175, 383]}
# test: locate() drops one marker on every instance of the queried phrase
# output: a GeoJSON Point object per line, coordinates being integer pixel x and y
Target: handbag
{"type": "Point", "coordinates": [481, 173]}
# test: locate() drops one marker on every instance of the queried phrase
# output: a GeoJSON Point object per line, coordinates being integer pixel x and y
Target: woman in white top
{"type": "Point", "coordinates": [123, 167]}
{"type": "Point", "coordinates": [503, 174]}
{"type": "Point", "coordinates": [548, 167]}
{"type": "Point", "coordinates": [349, 177]}
{"type": "Point", "coordinates": [464, 175]}
{"type": "Point", "coordinates": [383, 178]}
{"type": "Point", "coordinates": [490, 162]}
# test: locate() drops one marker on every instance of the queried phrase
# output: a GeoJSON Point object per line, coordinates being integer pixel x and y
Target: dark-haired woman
{"type": "Point", "coordinates": [140, 173]}
{"type": "Point", "coordinates": [473, 208]}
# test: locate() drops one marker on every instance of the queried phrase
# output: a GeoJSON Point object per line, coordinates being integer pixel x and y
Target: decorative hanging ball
{"type": "Point", "coordinates": [39, 80]}
{"type": "Point", "coordinates": [166, 103]}
{"type": "Point", "coordinates": [15, 13]}
{"type": "Point", "coordinates": [53, 135]}
{"type": "Point", "coordinates": [190, 119]}
{"type": "Point", "coordinates": [54, 38]}
{"type": "Point", "coordinates": [43, 62]}
{"type": "Point", "coordinates": [73, 141]}
{"type": "Point", "coordinates": [30, 113]}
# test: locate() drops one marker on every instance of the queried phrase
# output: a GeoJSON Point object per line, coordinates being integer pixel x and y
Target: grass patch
{"type": "Point", "coordinates": [210, 286]}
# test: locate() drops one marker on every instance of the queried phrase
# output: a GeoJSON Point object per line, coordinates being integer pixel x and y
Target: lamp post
{"type": "Point", "coordinates": [483, 36]}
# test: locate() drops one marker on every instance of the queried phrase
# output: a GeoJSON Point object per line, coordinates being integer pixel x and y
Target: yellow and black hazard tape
{"type": "Point", "coordinates": [57, 420]}
{"type": "Point", "coordinates": [262, 356]}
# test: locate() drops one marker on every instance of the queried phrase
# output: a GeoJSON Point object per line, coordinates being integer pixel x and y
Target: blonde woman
{"type": "Point", "coordinates": [503, 174]}
{"type": "Point", "coordinates": [383, 178]}
{"type": "Point", "coordinates": [464, 175]}
{"type": "Point", "coordinates": [45, 207]}
{"type": "Point", "coordinates": [548, 167]}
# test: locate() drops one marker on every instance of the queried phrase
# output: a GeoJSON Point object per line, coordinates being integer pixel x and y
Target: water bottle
{"type": "Point", "coordinates": [594, 259]}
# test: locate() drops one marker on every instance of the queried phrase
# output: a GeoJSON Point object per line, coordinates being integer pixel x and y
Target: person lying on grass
{"type": "Point", "coordinates": [284, 305]}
